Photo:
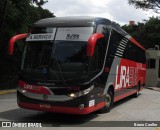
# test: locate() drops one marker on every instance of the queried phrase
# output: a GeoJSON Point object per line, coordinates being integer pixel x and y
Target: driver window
{"type": "Point", "coordinates": [97, 60]}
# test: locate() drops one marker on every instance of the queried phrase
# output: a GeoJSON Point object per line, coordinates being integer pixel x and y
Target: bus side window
{"type": "Point", "coordinates": [129, 52]}
{"type": "Point", "coordinates": [114, 43]}
{"type": "Point", "coordinates": [134, 53]}
{"type": "Point", "coordinates": [99, 54]}
{"type": "Point", "coordinates": [99, 28]}
{"type": "Point", "coordinates": [104, 29]}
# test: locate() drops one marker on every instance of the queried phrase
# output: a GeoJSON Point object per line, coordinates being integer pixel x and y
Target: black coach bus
{"type": "Point", "coordinates": [78, 65]}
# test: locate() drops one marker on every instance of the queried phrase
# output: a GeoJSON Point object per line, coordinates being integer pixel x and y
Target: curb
{"type": "Point", "coordinates": [2, 92]}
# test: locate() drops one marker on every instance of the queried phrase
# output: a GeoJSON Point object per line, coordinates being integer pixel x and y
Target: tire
{"type": "Point", "coordinates": [109, 102]}
{"type": "Point", "coordinates": [137, 93]}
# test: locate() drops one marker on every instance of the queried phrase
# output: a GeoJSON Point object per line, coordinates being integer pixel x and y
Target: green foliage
{"type": "Point", "coordinates": [16, 16]}
{"type": "Point", "coordinates": [146, 4]}
{"type": "Point", "coordinates": [147, 34]}
{"type": "Point", "coordinates": [39, 3]}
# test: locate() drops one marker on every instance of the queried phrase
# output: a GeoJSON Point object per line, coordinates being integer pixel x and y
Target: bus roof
{"type": "Point", "coordinates": [82, 21]}
{"type": "Point", "coordinates": [75, 21]}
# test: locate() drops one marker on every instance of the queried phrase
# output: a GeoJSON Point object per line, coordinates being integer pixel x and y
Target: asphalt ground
{"type": "Point", "coordinates": [144, 108]}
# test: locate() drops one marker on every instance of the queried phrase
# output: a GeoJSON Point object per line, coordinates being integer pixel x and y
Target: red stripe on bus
{"type": "Point", "coordinates": [135, 42]}
{"type": "Point", "coordinates": [117, 98]}
{"type": "Point", "coordinates": [34, 88]}
{"type": "Point", "coordinates": [60, 109]}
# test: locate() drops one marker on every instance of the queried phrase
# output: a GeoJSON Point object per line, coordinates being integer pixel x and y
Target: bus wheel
{"type": "Point", "coordinates": [137, 93]}
{"type": "Point", "coordinates": [109, 102]}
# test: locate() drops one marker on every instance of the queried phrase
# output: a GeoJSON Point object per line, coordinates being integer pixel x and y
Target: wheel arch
{"type": "Point", "coordinates": [109, 86]}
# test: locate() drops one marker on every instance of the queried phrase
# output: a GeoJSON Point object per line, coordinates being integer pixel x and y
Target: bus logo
{"type": "Point", "coordinates": [44, 70]}
{"type": "Point", "coordinates": [72, 36]}
{"type": "Point", "coordinates": [126, 76]}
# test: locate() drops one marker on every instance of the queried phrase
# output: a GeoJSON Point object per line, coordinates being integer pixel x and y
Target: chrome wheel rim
{"type": "Point", "coordinates": [108, 100]}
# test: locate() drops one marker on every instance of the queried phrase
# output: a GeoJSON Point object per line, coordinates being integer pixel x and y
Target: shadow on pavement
{"type": "Point", "coordinates": [49, 119]}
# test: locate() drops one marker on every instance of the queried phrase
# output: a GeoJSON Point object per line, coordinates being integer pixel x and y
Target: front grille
{"type": "Point", "coordinates": [60, 91]}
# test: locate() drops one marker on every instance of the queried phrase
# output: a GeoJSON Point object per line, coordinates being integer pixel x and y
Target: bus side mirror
{"type": "Point", "coordinates": [92, 43]}
{"type": "Point", "coordinates": [13, 40]}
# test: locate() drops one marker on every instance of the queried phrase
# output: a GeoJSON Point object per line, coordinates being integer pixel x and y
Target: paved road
{"type": "Point", "coordinates": [144, 108]}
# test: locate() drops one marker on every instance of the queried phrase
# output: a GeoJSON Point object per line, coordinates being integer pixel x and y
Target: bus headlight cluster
{"type": "Point", "coordinates": [23, 91]}
{"type": "Point", "coordinates": [81, 93]}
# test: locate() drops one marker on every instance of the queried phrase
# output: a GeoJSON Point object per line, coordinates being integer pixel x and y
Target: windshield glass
{"type": "Point", "coordinates": [63, 59]}
{"type": "Point", "coordinates": [56, 53]}
{"type": "Point", "coordinates": [71, 58]}
{"type": "Point", "coordinates": [37, 55]}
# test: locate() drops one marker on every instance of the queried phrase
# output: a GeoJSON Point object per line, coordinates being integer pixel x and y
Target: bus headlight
{"type": "Point", "coordinates": [81, 93]}
{"type": "Point", "coordinates": [23, 91]}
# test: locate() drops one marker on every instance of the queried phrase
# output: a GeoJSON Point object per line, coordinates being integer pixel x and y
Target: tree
{"type": "Point", "coordinates": [2, 12]}
{"type": "Point", "coordinates": [146, 33]}
{"type": "Point", "coordinates": [146, 4]}
{"type": "Point", "coordinates": [16, 16]}
{"type": "Point", "coordinates": [39, 3]}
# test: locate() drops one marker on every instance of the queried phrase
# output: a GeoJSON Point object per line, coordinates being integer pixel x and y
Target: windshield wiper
{"type": "Point", "coordinates": [60, 70]}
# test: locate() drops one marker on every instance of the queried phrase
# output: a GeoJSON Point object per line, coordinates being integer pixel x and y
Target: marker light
{"type": "Point", "coordinates": [81, 93]}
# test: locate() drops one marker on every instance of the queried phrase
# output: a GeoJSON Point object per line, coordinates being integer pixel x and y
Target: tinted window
{"type": "Point", "coordinates": [97, 60]}
{"type": "Point", "coordinates": [70, 51]}
{"type": "Point", "coordinates": [39, 30]}
{"type": "Point", "coordinates": [151, 63]}
{"type": "Point", "coordinates": [113, 45]}
{"type": "Point", "coordinates": [37, 54]}
{"type": "Point", "coordinates": [134, 53]}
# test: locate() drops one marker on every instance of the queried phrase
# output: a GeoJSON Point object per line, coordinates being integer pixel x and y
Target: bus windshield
{"type": "Point", "coordinates": [53, 61]}
{"type": "Point", "coordinates": [56, 53]}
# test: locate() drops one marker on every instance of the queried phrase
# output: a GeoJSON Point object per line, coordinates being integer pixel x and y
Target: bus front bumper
{"type": "Point", "coordinates": [60, 109]}
{"type": "Point", "coordinates": [81, 105]}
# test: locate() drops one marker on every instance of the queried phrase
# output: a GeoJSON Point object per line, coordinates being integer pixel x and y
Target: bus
{"type": "Point", "coordinates": [78, 65]}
